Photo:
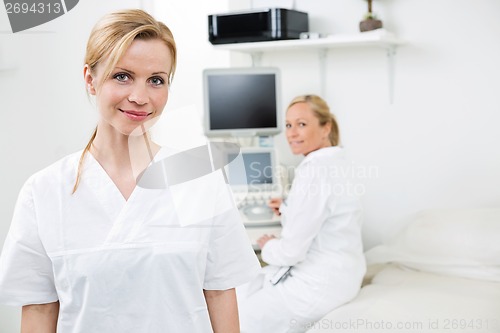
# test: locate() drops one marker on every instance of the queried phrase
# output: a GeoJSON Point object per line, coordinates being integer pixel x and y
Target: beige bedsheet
{"type": "Point", "coordinates": [404, 300]}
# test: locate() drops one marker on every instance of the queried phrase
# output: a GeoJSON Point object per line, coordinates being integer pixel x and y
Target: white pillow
{"type": "Point", "coordinates": [462, 243]}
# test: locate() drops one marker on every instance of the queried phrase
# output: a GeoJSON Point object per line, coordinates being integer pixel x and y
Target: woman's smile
{"type": "Point", "coordinates": [135, 115]}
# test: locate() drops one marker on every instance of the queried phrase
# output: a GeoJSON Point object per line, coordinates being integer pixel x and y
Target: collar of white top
{"type": "Point", "coordinates": [321, 152]}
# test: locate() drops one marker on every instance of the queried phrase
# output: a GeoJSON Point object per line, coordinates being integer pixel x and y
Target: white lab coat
{"type": "Point", "coordinates": [321, 239]}
{"type": "Point", "coordinates": [116, 265]}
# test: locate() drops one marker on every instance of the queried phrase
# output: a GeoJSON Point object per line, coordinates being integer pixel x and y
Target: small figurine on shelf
{"type": "Point", "coordinates": [370, 22]}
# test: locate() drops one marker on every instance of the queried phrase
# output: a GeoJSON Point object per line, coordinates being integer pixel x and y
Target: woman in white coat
{"type": "Point", "coordinates": [317, 263]}
{"type": "Point", "coordinates": [90, 249]}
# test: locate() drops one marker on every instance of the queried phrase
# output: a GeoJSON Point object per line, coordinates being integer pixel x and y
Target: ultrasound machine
{"type": "Point", "coordinates": [255, 178]}
{"type": "Point", "coordinates": [242, 104]}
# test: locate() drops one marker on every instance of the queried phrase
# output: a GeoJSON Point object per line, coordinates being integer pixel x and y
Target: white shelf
{"type": "Point", "coordinates": [378, 38]}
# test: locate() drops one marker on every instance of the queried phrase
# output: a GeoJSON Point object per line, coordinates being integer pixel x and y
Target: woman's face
{"type": "Point", "coordinates": [137, 89]}
{"type": "Point", "coordinates": [303, 131]}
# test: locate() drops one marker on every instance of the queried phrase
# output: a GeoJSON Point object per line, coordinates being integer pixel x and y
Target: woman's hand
{"type": "Point", "coordinates": [275, 204]}
{"type": "Point", "coordinates": [263, 240]}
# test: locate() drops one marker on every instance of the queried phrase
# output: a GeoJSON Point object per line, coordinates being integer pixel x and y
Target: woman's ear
{"type": "Point", "coordinates": [89, 80]}
{"type": "Point", "coordinates": [327, 128]}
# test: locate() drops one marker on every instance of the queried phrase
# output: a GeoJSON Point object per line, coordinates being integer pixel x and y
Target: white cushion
{"type": "Point", "coordinates": [462, 243]}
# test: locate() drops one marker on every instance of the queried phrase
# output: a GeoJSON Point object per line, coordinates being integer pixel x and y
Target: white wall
{"type": "Point", "coordinates": [436, 146]}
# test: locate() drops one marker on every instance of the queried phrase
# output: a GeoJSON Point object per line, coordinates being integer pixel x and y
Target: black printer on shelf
{"type": "Point", "coordinates": [257, 25]}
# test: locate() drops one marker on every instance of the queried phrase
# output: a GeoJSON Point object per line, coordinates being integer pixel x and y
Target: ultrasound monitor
{"type": "Point", "coordinates": [254, 169]}
{"type": "Point", "coordinates": [242, 101]}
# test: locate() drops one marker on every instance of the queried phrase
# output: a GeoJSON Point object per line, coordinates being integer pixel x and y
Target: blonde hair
{"type": "Point", "coordinates": [322, 112]}
{"type": "Point", "coordinates": [111, 37]}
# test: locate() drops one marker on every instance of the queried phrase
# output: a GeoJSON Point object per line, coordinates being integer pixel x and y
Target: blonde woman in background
{"type": "Point", "coordinates": [91, 251]}
{"type": "Point", "coordinates": [317, 263]}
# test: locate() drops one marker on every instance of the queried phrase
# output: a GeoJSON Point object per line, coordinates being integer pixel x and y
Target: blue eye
{"type": "Point", "coordinates": [122, 77]}
{"type": "Point", "coordinates": [157, 81]}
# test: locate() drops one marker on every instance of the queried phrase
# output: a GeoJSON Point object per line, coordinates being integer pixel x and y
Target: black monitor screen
{"type": "Point", "coordinates": [242, 101]}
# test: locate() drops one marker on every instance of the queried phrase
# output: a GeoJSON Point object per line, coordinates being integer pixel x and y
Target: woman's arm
{"type": "Point", "coordinates": [223, 310]}
{"type": "Point", "coordinates": [307, 207]}
{"type": "Point", "coordinates": [40, 318]}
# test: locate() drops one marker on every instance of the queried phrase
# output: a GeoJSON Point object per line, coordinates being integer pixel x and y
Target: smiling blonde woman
{"type": "Point", "coordinates": [317, 263]}
{"type": "Point", "coordinates": [89, 250]}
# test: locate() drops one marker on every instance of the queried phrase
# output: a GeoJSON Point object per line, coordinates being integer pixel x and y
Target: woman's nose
{"type": "Point", "coordinates": [138, 95]}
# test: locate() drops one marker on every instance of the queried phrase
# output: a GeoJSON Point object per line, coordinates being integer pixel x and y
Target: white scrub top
{"type": "Point", "coordinates": [321, 239]}
{"type": "Point", "coordinates": [321, 218]}
{"type": "Point", "coordinates": [123, 266]}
